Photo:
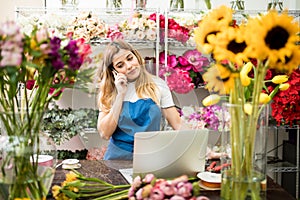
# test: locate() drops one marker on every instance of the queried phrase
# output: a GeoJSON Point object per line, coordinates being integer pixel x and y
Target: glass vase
{"type": "Point", "coordinates": [238, 5]}
{"type": "Point", "coordinates": [27, 157]}
{"type": "Point", "coordinates": [243, 153]}
{"type": "Point", "coordinates": [69, 3]}
{"type": "Point", "coordinates": [140, 4]}
{"type": "Point", "coordinates": [176, 5]}
{"type": "Point", "coordinates": [275, 4]}
{"type": "Point", "coordinates": [113, 5]}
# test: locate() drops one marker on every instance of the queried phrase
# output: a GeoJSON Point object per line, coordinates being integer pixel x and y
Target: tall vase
{"type": "Point", "coordinates": [140, 4]}
{"type": "Point", "coordinates": [176, 5]}
{"type": "Point", "coordinates": [69, 3]}
{"type": "Point", "coordinates": [275, 4]}
{"type": "Point", "coordinates": [27, 157]}
{"type": "Point", "coordinates": [243, 151]}
{"type": "Point", "coordinates": [113, 5]}
{"type": "Point", "coordinates": [238, 4]}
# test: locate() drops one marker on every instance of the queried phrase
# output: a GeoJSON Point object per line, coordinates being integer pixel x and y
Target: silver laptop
{"type": "Point", "coordinates": [168, 154]}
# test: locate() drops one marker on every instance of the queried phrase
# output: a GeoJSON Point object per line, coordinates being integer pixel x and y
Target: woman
{"type": "Point", "coordinates": [130, 100]}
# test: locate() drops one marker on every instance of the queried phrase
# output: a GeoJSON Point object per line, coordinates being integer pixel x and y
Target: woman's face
{"type": "Point", "coordinates": [126, 62]}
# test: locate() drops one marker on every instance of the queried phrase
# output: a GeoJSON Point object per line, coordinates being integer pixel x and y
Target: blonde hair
{"type": "Point", "coordinates": [144, 85]}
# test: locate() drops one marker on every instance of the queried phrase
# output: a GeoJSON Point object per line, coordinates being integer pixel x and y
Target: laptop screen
{"type": "Point", "coordinates": [168, 154]}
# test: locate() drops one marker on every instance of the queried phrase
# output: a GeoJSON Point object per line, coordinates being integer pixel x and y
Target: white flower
{"type": "Point", "coordinates": [151, 34]}
{"type": "Point", "coordinates": [140, 34]}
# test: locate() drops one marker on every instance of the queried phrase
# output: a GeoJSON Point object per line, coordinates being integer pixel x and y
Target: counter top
{"type": "Point", "coordinates": [109, 171]}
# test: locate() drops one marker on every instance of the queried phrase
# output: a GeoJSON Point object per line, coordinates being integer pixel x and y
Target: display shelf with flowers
{"type": "Point", "coordinates": [269, 40]}
{"type": "Point", "coordinates": [29, 66]}
{"type": "Point", "coordinates": [174, 30]}
{"type": "Point", "coordinates": [78, 186]}
{"type": "Point", "coordinates": [138, 26]}
{"type": "Point", "coordinates": [183, 73]}
{"type": "Point", "coordinates": [87, 25]}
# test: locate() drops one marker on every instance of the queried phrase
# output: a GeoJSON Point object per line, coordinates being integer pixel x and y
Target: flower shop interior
{"type": "Point", "coordinates": [179, 47]}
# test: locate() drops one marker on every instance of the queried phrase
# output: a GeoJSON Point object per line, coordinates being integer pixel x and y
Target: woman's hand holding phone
{"type": "Point", "coordinates": [120, 81]}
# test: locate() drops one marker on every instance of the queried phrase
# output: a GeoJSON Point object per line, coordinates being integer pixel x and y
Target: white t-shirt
{"type": "Point", "coordinates": [164, 94]}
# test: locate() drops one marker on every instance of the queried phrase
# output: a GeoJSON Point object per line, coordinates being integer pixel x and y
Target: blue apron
{"type": "Point", "coordinates": [140, 116]}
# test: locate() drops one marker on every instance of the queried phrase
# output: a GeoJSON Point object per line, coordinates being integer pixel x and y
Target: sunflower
{"type": "Point", "coordinates": [205, 30]}
{"type": "Point", "coordinates": [222, 15]}
{"type": "Point", "coordinates": [230, 45]}
{"type": "Point", "coordinates": [273, 37]}
{"type": "Point", "coordinates": [219, 79]}
{"type": "Point", "coordinates": [290, 63]}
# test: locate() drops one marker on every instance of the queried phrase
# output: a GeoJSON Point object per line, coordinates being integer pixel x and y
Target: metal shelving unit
{"type": "Point", "coordinates": [282, 166]}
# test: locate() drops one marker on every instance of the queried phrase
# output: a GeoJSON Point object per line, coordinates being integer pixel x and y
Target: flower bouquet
{"type": "Point", "coordinates": [266, 41]}
{"type": "Point", "coordinates": [182, 73]}
{"type": "Point", "coordinates": [88, 26]}
{"type": "Point", "coordinates": [285, 105]}
{"type": "Point", "coordinates": [138, 26]}
{"type": "Point", "coordinates": [175, 30]}
{"type": "Point", "coordinates": [209, 117]}
{"type": "Point", "coordinates": [34, 69]}
{"type": "Point", "coordinates": [78, 186]}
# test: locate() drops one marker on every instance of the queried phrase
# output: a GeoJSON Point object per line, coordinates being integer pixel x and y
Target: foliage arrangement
{"type": "Point", "coordinates": [210, 117]}
{"type": "Point", "coordinates": [267, 41]}
{"type": "Point", "coordinates": [78, 186]}
{"type": "Point", "coordinates": [34, 69]}
{"type": "Point", "coordinates": [63, 124]}
{"type": "Point", "coordinates": [285, 105]}
{"type": "Point", "coordinates": [183, 73]}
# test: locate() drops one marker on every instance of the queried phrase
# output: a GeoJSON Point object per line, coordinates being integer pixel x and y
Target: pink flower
{"type": "Point", "coordinates": [157, 194]}
{"type": "Point", "coordinates": [30, 84]}
{"type": "Point", "coordinates": [166, 187]}
{"type": "Point", "coordinates": [148, 178]}
{"type": "Point", "coordinates": [184, 189]}
{"type": "Point", "coordinates": [180, 81]}
{"type": "Point", "coordinates": [177, 197]}
{"type": "Point", "coordinates": [195, 58]}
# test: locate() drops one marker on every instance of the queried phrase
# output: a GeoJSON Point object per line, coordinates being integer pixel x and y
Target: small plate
{"type": "Point", "coordinates": [202, 185]}
{"type": "Point", "coordinates": [209, 177]}
{"type": "Point", "coordinates": [70, 161]}
{"type": "Point", "coordinates": [73, 166]}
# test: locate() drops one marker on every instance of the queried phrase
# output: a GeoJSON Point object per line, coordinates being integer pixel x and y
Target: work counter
{"type": "Point", "coordinates": [109, 171]}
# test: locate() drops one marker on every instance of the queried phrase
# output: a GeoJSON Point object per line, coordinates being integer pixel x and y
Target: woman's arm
{"type": "Point", "coordinates": [173, 118]}
{"type": "Point", "coordinates": [107, 122]}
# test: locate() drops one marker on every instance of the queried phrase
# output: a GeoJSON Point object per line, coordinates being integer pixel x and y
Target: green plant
{"type": "Point", "coordinates": [63, 124]}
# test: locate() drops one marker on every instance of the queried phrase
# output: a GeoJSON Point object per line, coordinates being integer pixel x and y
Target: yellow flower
{"type": "Point", "coordinates": [71, 176]}
{"type": "Point", "coordinates": [248, 108]}
{"type": "Point", "coordinates": [55, 190]}
{"type": "Point", "coordinates": [219, 79]}
{"type": "Point", "coordinates": [280, 79]}
{"type": "Point", "coordinates": [211, 100]}
{"type": "Point", "coordinates": [204, 33]}
{"type": "Point", "coordinates": [222, 15]}
{"type": "Point", "coordinates": [230, 45]}
{"type": "Point", "coordinates": [273, 37]}
{"type": "Point", "coordinates": [21, 198]}
{"type": "Point", "coordinates": [147, 190]}
{"type": "Point", "coordinates": [245, 79]}
{"type": "Point", "coordinates": [291, 62]}
{"type": "Point", "coordinates": [284, 86]}
{"type": "Point", "coordinates": [264, 98]}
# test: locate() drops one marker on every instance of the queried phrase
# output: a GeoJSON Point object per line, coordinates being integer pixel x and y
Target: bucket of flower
{"type": "Point", "coordinates": [78, 186]}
